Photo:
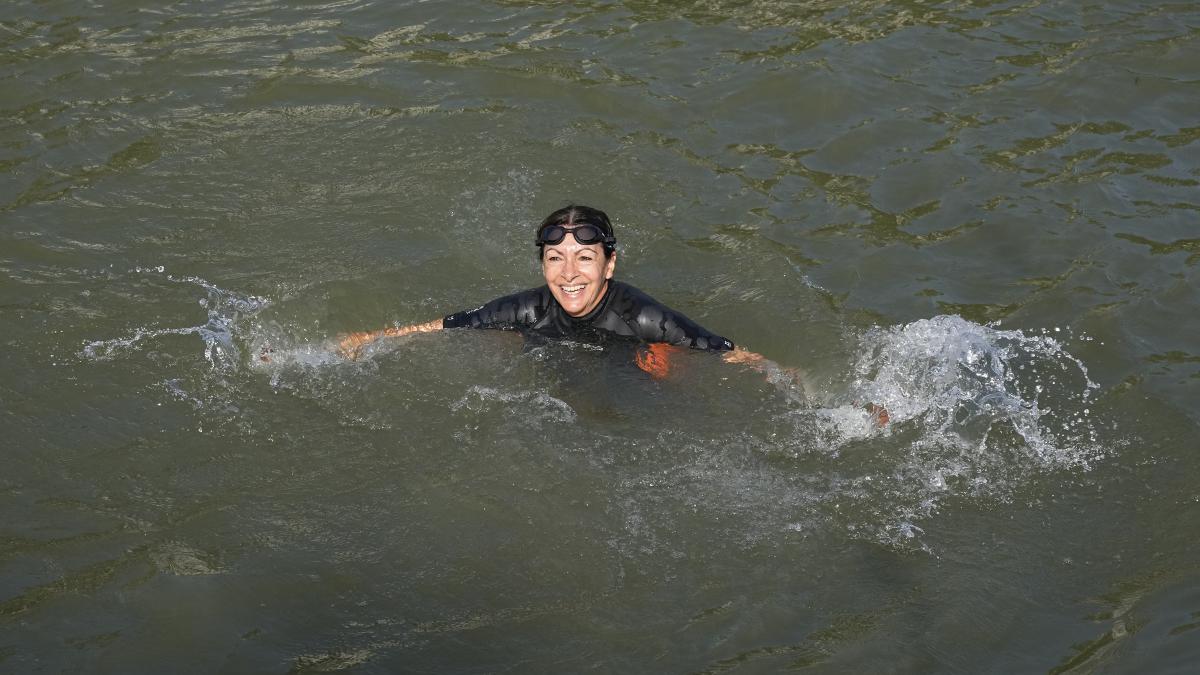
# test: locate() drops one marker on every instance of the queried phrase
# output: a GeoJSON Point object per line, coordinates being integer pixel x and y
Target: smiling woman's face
{"type": "Point", "coordinates": [577, 274]}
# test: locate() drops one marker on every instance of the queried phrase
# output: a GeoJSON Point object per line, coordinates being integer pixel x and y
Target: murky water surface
{"type": "Point", "coordinates": [981, 215]}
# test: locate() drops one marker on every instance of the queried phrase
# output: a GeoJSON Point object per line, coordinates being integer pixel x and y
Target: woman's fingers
{"type": "Point", "coordinates": [743, 356]}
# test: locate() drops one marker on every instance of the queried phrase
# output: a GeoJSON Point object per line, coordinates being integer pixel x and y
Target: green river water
{"type": "Point", "coordinates": [981, 214]}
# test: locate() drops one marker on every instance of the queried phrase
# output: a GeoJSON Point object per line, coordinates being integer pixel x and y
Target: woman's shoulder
{"type": "Point", "coordinates": [655, 322]}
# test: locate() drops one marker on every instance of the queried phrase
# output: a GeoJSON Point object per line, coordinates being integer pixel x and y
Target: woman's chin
{"type": "Point", "coordinates": [574, 306]}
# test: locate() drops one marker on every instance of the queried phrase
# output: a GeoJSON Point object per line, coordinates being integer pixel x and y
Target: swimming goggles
{"type": "Point", "coordinates": [584, 234]}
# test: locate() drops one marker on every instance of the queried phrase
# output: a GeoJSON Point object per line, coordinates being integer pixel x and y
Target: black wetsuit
{"type": "Point", "coordinates": [624, 311]}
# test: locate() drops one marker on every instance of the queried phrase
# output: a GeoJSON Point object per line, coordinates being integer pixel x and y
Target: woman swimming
{"type": "Point", "coordinates": [581, 300]}
{"type": "Point", "coordinates": [580, 297]}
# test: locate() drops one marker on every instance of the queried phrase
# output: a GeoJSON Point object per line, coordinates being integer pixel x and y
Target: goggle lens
{"type": "Point", "coordinates": [584, 234]}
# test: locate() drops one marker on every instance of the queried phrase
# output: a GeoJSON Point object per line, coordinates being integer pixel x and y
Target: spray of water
{"type": "Point", "coordinates": [975, 412]}
{"type": "Point", "coordinates": [960, 380]}
{"type": "Point", "coordinates": [224, 309]}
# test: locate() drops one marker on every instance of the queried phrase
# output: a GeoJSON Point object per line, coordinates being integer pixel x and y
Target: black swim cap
{"type": "Point", "coordinates": [575, 214]}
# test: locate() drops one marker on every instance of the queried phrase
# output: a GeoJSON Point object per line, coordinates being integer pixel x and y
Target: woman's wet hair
{"type": "Point", "coordinates": [577, 214]}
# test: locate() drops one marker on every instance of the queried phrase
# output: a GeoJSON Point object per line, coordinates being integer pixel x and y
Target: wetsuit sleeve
{"type": "Point", "coordinates": [654, 322]}
{"type": "Point", "coordinates": [509, 312]}
{"type": "Point", "coordinates": [662, 324]}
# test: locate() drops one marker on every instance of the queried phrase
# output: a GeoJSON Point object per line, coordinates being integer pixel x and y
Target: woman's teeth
{"type": "Point", "coordinates": [573, 289]}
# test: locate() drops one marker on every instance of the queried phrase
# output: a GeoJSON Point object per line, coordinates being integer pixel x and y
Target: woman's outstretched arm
{"type": "Point", "coordinates": [350, 344]}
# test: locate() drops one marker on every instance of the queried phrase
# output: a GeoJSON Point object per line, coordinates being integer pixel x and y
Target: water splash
{"type": "Point", "coordinates": [960, 379]}
{"type": "Point", "coordinates": [975, 412]}
{"type": "Point", "coordinates": [225, 311]}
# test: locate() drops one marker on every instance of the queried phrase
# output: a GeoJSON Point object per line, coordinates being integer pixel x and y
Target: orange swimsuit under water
{"type": "Point", "coordinates": [656, 359]}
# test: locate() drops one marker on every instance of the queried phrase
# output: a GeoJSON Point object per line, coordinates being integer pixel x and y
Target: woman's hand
{"type": "Point", "coordinates": [744, 357]}
{"type": "Point", "coordinates": [773, 371]}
